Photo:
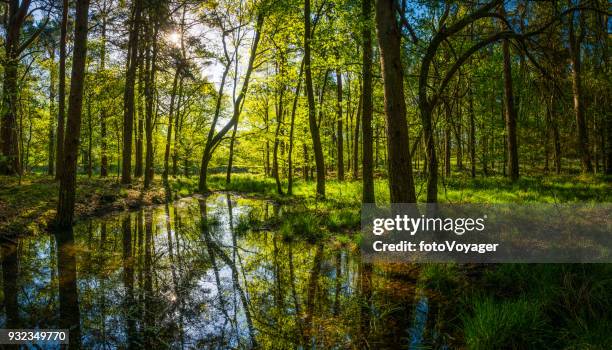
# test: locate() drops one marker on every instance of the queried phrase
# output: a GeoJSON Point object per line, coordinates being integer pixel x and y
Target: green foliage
{"type": "Point", "coordinates": [301, 225]}
{"type": "Point", "coordinates": [517, 324]}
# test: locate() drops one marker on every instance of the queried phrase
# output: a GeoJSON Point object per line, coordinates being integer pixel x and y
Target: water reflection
{"type": "Point", "coordinates": [184, 276]}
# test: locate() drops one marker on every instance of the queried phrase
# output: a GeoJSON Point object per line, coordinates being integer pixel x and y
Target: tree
{"type": "Point", "coordinates": [13, 47]}
{"type": "Point", "coordinates": [339, 131]}
{"type": "Point", "coordinates": [67, 193]}
{"type": "Point", "coordinates": [61, 111]}
{"type": "Point", "coordinates": [128, 96]}
{"type": "Point", "coordinates": [312, 112]}
{"type": "Point", "coordinates": [401, 182]}
{"type": "Point", "coordinates": [510, 113]}
{"type": "Point", "coordinates": [214, 138]}
{"type": "Point", "coordinates": [575, 43]}
{"type": "Point", "coordinates": [367, 105]}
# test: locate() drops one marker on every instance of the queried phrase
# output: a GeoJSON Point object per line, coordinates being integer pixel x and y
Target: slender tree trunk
{"type": "Point", "coordinates": [103, 141]}
{"type": "Point", "coordinates": [275, 171]}
{"type": "Point", "coordinates": [367, 160]}
{"type": "Point", "coordinates": [150, 100]}
{"type": "Point", "coordinates": [177, 130]}
{"type": "Point", "coordinates": [138, 167]}
{"type": "Point", "coordinates": [128, 96]}
{"type": "Point", "coordinates": [401, 183]}
{"type": "Point", "coordinates": [575, 40]}
{"type": "Point", "coordinates": [230, 162]}
{"type": "Point", "coordinates": [458, 132]}
{"type": "Point", "coordinates": [447, 141]}
{"type": "Point", "coordinates": [472, 134]}
{"type": "Point", "coordinates": [89, 139]}
{"type": "Point", "coordinates": [52, 97]}
{"type": "Point", "coordinates": [340, 138]}
{"type": "Point", "coordinates": [510, 115]}
{"type": "Point", "coordinates": [312, 113]}
{"type": "Point", "coordinates": [170, 124]}
{"type": "Point", "coordinates": [356, 140]}
{"type": "Point", "coordinates": [291, 128]}
{"type": "Point", "coordinates": [67, 189]}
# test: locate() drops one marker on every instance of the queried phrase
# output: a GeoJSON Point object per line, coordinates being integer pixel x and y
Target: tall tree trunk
{"type": "Point", "coordinates": [447, 140]}
{"type": "Point", "coordinates": [89, 139]}
{"type": "Point", "coordinates": [472, 133]}
{"type": "Point", "coordinates": [103, 141]}
{"type": "Point", "coordinates": [401, 183]}
{"type": "Point", "coordinates": [177, 129]}
{"type": "Point", "coordinates": [340, 138]}
{"type": "Point", "coordinates": [367, 106]}
{"type": "Point", "coordinates": [575, 41]}
{"type": "Point", "coordinates": [150, 101]}
{"type": "Point", "coordinates": [170, 124]}
{"type": "Point", "coordinates": [67, 191]}
{"type": "Point", "coordinates": [275, 171]}
{"type": "Point", "coordinates": [291, 128]}
{"type": "Point", "coordinates": [138, 167]}
{"type": "Point", "coordinates": [128, 96]}
{"type": "Point", "coordinates": [52, 97]}
{"type": "Point", "coordinates": [457, 123]}
{"type": "Point", "coordinates": [356, 140]}
{"type": "Point", "coordinates": [510, 115]}
{"type": "Point", "coordinates": [312, 113]}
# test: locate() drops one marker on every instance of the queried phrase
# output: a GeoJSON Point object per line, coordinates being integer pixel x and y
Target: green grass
{"type": "Point", "coordinates": [301, 225]}
{"type": "Point", "coordinates": [514, 324]}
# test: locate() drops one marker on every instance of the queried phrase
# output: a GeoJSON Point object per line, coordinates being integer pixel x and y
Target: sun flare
{"type": "Point", "coordinates": [174, 38]}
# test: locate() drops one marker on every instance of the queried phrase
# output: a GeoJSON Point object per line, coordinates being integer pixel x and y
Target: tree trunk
{"type": "Point", "coordinates": [138, 167]}
{"type": "Point", "coordinates": [367, 106]}
{"type": "Point", "coordinates": [355, 164]}
{"type": "Point", "coordinates": [312, 113]}
{"type": "Point", "coordinates": [340, 139]}
{"type": "Point", "coordinates": [150, 100]}
{"type": "Point", "coordinates": [103, 143]}
{"type": "Point", "coordinates": [510, 115]}
{"type": "Point", "coordinates": [575, 41]}
{"type": "Point", "coordinates": [447, 141]}
{"type": "Point", "coordinates": [128, 96]}
{"type": "Point", "coordinates": [275, 172]}
{"type": "Point", "coordinates": [177, 130]}
{"type": "Point", "coordinates": [67, 191]}
{"type": "Point", "coordinates": [170, 125]}
{"type": "Point", "coordinates": [293, 110]}
{"type": "Point", "coordinates": [89, 139]}
{"type": "Point", "coordinates": [52, 97]}
{"type": "Point", "coordinates": [472, 134]}
{"type": "Point", "coordinates": [401, 185]}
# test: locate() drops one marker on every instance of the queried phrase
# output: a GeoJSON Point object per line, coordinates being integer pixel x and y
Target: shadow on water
{"type": "Point", "coordinates": [184, 276]}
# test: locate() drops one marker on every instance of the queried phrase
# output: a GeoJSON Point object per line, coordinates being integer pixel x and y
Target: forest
{"type": "Point", "coordinates": [191, 174]}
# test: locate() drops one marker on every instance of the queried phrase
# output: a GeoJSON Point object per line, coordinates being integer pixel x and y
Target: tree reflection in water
{"type": "Point", "coordinates": [184, 276]}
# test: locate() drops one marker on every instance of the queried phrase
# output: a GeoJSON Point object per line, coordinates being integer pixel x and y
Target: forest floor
{"type": "Point", "coordinates": [28, 205]}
